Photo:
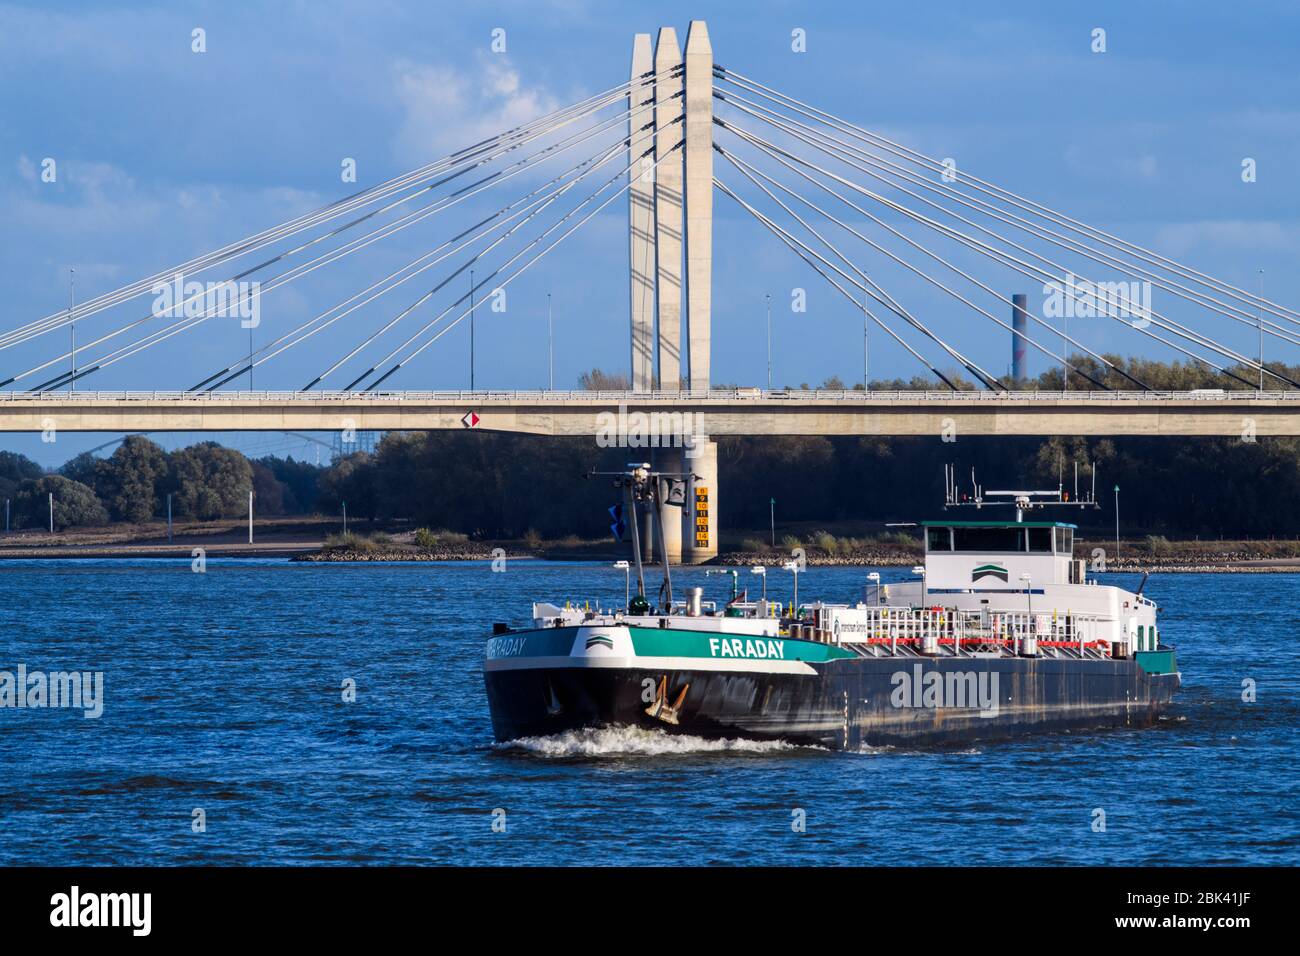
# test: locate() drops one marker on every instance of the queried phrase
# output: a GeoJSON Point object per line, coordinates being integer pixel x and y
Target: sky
{"type": "Point", "coordinates": [163, 153]}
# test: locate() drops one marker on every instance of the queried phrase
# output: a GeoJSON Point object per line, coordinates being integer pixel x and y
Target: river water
{"type": "Point", "coordinates": [223, 713]}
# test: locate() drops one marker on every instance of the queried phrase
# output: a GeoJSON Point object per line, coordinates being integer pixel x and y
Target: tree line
{"type": "Point", "coordinates": [493, 485]}
{"type": "Point", "coordinates": [205, 482]}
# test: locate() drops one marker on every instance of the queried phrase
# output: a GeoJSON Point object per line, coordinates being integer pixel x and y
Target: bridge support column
{"type": "Point", "coordinates": [668, 208]}
{"type": "Point", "coordinates": [699, 201]}
{"type": "Point", "coordinates": [641, 240]}
{"type": "Point", "coordinates": [700, 516]}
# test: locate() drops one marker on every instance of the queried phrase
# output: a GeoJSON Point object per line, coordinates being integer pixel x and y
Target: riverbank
{"type": "Point", "coordinates": [317, 540]}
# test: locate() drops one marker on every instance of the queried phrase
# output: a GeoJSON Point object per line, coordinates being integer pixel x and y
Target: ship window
{"type": "Point", "coordinates": [1040, 540]}
{"type": "Point", "coordinates": [938, 539]}
{"type": "Point", "coordinates": [1064, 541]}
{"type": "Point", "coordinates": [988, 539]}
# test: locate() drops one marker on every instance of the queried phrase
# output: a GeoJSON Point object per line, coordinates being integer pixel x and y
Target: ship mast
{"type": "Point", "coordinates": [657, 490]}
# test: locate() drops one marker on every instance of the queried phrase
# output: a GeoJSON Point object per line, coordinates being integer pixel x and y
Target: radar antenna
{"type": "Point", "coordinates": [1022, 499]}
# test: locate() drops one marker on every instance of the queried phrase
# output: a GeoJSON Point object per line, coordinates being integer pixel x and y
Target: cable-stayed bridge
{"type": "Point", "coordinates": [682, 133]}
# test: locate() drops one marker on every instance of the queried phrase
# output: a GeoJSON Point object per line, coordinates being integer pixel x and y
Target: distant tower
{"type": "Point", "coordinates": [1019, 325]}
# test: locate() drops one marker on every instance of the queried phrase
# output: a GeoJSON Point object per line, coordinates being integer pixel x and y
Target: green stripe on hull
{"type": "Point", "coordinates": [668, 642]}
{"type": "Point", "coordinates": [664, 642]}
{"type": "Point", "coordinates": [1157, 662]}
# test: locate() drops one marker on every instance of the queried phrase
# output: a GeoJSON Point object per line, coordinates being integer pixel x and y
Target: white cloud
{"type": "Point", "coordinates": [1179, 239]}
{"type": "Point", "coordinates": [447, 109]}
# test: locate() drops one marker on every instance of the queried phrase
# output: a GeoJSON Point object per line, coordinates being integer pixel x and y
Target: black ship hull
{"type": "Point", "coordinates": [848, 704]}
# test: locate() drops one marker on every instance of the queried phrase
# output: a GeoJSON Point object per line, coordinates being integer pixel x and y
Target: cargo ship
{"type": "Point", "coordinates": [1002, 632]}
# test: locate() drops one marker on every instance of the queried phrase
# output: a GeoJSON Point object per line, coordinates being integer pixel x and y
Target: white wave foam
{"type": "Point", "coordinates": [637, 741]}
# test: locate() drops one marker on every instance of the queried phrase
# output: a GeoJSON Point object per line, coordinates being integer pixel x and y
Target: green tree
{"type": "Point", "coordinates": [300, 481]}
{"type": "Point", "coordinates": [208, 481]}
{"type": "Point", "coordinates": [15, 469]}
{"type": "Point", "coordinates": [129, 480]}
{"type": "Point", "coordinates": [350, 479]}
{"type": "Point", "coordinates": [268, 491]}
{"type": "Point", "coordinates": [75, 504]}
{"type": "Point", "coordinates": [600, 381]}
{"type": "Point", "coordinates": [82, 468]}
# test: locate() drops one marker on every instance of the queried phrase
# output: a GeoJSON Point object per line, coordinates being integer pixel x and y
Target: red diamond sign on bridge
{"type": "Point", "coordinates": [470, 420]}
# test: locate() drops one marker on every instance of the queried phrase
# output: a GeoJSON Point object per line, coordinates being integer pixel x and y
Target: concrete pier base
{"type": "Point", "coordinates": [670, 460]}
{"type": "Point", "coordinates": [700, 517]}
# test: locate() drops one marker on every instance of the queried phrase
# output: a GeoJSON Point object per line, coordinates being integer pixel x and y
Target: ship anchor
{"type": "Point", "coordinates": [661, 709]}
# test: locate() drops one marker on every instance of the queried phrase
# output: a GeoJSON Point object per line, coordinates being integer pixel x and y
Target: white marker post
{"type": "Point", "coordinates": [250, 516]}
{"type": "Point", "coordinates": [51, 512]}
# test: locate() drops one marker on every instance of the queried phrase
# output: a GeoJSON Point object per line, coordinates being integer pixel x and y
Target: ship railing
{"type": "Point", "coordinates": [957, 632]}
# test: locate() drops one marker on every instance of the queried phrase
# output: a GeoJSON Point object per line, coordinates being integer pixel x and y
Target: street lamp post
{"type": "Point", "coordinates": [1117, 522]}
{"type": "Point", "coordinates": [627, 581]}
{"type": "Point", "coordinates": [1259, 314]}
{"type": "Point", "coordinates": [874, 578]}
{"type": "Point", "coordinates": [920, 569]}
{"type": "Point", "coordinates": [550, 344]}
{"type": "Point", "coordinates": [761, 572]}
{"type": "Point", "coordinates": [793, 568]}
{"type": "Point", "coordinates": [1065, 354]}
{"type": "Point", "coordinates": [72, 327]}
{"type": "Point", "coordinates": [768, 296]}
{"type": "Point", "coordinates": [471, 330]}
{"type": "Point", "coordinates": [864, 345]}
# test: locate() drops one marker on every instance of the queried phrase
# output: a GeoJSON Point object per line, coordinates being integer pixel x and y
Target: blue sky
{"type": "Point", "coordinates": [163, 153]}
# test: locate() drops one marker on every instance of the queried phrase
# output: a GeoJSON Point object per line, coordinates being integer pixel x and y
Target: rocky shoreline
{"type": "Point", "coordinates": [453, 553]}
{"type": "Point", "coordinates": [1236, 562]}
{"type": "Point", "coordinates": [1203, 562]}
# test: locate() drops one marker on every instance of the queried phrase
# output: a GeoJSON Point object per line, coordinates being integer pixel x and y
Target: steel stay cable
{"type": "Point", "coordinates": [879, 222]}
{"type": "Point", "coordinates": [525, 266]}
{"type": "Point", "coordinates": [546, 123]}
{"type": "Point", "coordinates": [985, 208]}
{"type": "Point", "coordinates": [989, 188]}
{"type": "Point", "coordinates": [332, 255]}
{"type": "Point", "coordinates": [982, 247]}
{"type": "Point", "coordinates": [984, 377]}
{"type": "Point", "coordinates": [796, 246]}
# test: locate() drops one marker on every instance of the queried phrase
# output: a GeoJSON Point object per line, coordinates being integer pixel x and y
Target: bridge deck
{"type": "Point", "coordinates": [712, 413]}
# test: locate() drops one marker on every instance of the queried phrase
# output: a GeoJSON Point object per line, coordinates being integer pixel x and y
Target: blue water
{"type": "Point", "coordinates": [223, 693]}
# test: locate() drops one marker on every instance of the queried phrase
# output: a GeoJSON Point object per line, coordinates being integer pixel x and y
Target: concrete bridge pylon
{"type": "Point", "coordinates": [670, 224]}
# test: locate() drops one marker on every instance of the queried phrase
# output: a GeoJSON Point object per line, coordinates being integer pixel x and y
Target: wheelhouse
{"type": "Point", "coordinates": [1023, 537]}
{"type": "Point", "coordinates": [998, 555]}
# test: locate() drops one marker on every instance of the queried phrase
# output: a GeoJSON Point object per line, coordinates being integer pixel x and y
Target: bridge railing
{"type": "Point", "coordinates": [516, 396]}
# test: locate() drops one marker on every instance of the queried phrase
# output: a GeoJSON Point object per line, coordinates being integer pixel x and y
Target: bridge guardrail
{"type": "Point", "coordinates": [456, 397]}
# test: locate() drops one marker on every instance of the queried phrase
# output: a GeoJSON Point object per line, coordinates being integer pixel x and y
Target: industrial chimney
{"type": "Point", "coordinates": [1019, 325]}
